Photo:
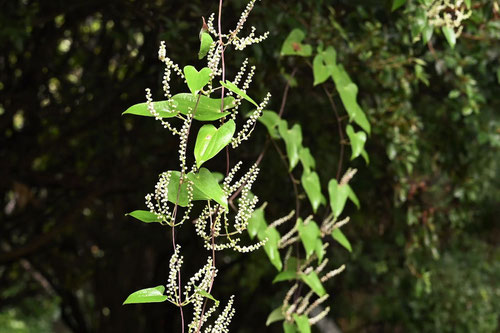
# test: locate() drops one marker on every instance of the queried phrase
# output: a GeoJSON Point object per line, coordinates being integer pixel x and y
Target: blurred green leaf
{"type": "Point", "coordinates": [339, 236]}
{"type": "Point", "coordinates": [312, 186]}
{"type": "Point", "coordinates": [293, 44]}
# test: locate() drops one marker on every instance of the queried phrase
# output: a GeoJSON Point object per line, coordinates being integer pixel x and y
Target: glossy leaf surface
{"type": "Point", "coordinates": [207, 183]}
{"type": "Point", "coordinates": [231, 86]}
{"type": "Point", "coordinates": [144, 216]}
{"type": "Point", "coordinates": [196, 80]}
{"type": "Point", "coordinates": [212, 140]}
{"type": "Point", "coordinates": [148, 295]}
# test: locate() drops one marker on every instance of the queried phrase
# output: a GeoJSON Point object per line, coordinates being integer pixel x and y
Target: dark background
{"type": "Point", "coordinates": [426, 255]}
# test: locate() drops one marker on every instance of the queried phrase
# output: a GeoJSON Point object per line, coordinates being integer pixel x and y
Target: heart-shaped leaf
{"type": "Point", "coordinates": [207, 183]}
{"type": "Point", "coordinates": [271, 246]}
{"type": "Point", "coordinates": [338, 196]}
{"type": "Point", "coordinates": [232, 87]}
{"type": "Point", "coordinates": [302, 323]}
{"type": "Point", "coordinates": [148, 295]}
{"type": "Point", "coordinates": [313, 281]}
{"type": "Point", "coordinates": [144, 216]}
{"type": "Point", "coordinates": [293, 44]}
{"type": "Point", "coordinates": [312, 185]}
{"type": "Point", "coordinates": [308, 234]}
{"type": "Point", "coordinates": [339, 236]}
{"type": "Point", "coordinates": [274, 316]}
{"type": "Point", "coordinates": [348, 92]}
{"type": "Point", "coordinates": [270, 119]}
{"type": "Point", "coordinates": [357, 140]}
{"type": "Point", "coordinates": [206, 42]}
{"type": "Point", "coordinates": [211, 140]}
{"type": "Point", "coordinates": [285, 276]}
{"type": "Point", "coordinates": [449, 33]}
{"type": "Point", "coordinates": [208, 109]}
{"type": "Point", "coordinates": [196, 80]}
{"type": "Point", "coordinates": [256, 223]}
{"type": "Point", "coordinates": [320, 71]}
{"type": "Point", "coordinates": [307, 159]}
{"type": "Point", "coordinates": [293, 141]}
{"type": "Point", "coordinates": [289, 327]}
{"type": "Point", "coordinates": [319, 249]}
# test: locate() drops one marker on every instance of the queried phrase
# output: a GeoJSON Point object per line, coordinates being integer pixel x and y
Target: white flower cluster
{"type": "Point", "coordinates": [156, 114]}
{"type": "Point", "coordinates": [215, 219]}
{"type": "Point", "coordinates": [161, 208]}
{"type": "Point", "coordinates": [449, 13]}
{"type": "Point", "coordinates": [302, 305]}
{"type": "Point", "coordinates": [222, 322]}
{"type": "Point", "coordinates": [249, 126]}
{"type": "Point", "coordinates": [240, 44]}
{"type": "Point", "coordinates": [184, 133]}
{"type": "Point", "coordinates": [174, 268]}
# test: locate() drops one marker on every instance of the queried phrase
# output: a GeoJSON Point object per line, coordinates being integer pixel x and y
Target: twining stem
{"type": "Point", "coordinates": [212, 230]}
{"type": "Point", "coordinates": [174, 216]}
{"type": "Point", "coordinates": [341, 133]}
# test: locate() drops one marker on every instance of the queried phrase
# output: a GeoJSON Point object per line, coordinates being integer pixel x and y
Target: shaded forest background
{"type": "Point", "coordinates": [425, 241]}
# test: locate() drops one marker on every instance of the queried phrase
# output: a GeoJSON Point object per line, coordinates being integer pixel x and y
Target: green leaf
{"type": "Point", "coordinates": [173, 188]}
{"type": "Point", "coordinates": [468, 3]}
{"type": "Point", "coordinates": [144, 216]}
{"type": "Point", "coordinates": [270, 119]}
{"type": "Point", "coordinates": [339, 236]}
{"type": "Point", "coordinates": [197, 80]}
{"type": "Point", "coordinates": [357, 140]}
{"type": "Point", "coordinates": [208, 185]}
{"type": "Point", "coordinates": [312, 185]}
{"type": "Point", "coordinates": [498, 75]}
{"type": "Point", "coordinates": [320, 71]}
{"type": "Point", "coordinates": [353, 197]}
{"type": "Point", "coordinates": [293, 44]}
{"type": "Point", "coordinates": [308, 234]}
{"type": "Point", "coordinates": [274, 316]}
{"type": "Point", "coordinates": [257, 222]}
{"type": "Point", "coordinates": [293, 141]}
{"type": "Point", "coordinates": [338, 196]}
{"type": "Point", "coordinates": [148, 295]}
{"type": "Point", "coordinates": [348, 92]}
{"type": "Point", "coordinates": [206, 42]}
{"type": "Point", "coordinates": [285, 276]}
{"type": "Point", "coordinates": [271, 246]}
{"type": "Point", "coordinates": [319, 250]}
{"type": "Point", "coordinates": [289, 327]}
{"type": "Point", "coordinates": [307, 159]}
{"type": "Point", "coordinates": [302, 323]}
{"type": "Point", "coordinates": [397, 3]}
{"type": "Point", "coordinates": [427, 33]}
{"type": "Point", "coordinates": [164, 109]}
{"type": "Point", "coordinates": [207, 295]}
{"type": "Point", "coordinates": [313, 281]}
{"type": "Point", "coordinates": [449, 33]}
{"type": "Point", "coordinates": [208, 109]}
{"type": "Point", "coordinates": [231, 86]}
{"type": "Point", "coordinates": [211, 141]}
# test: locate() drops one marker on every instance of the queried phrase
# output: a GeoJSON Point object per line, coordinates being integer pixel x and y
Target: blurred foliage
{"type": "Point", "coordinates": [425, 242]}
